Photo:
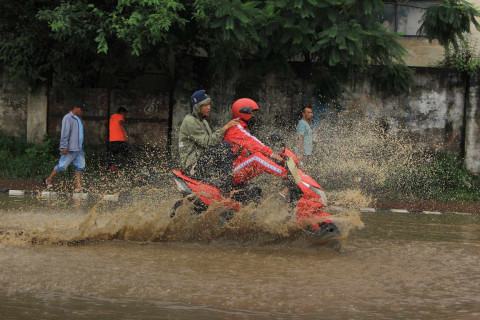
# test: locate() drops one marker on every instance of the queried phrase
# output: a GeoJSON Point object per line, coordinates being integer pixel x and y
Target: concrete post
{"type": "Point", "coordinates": [37, 115]}
{"type": "Point", "coordinates": [472, 132]}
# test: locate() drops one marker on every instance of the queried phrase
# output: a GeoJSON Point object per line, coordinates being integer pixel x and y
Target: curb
{"type": "Point", "coordinates": [50, 194]}
{"type": "Point", "coordinates": [116, 197]}
{"type": "Point", "coordinates": [369, 210]}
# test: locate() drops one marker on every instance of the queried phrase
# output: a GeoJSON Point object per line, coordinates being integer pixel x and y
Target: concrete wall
{"type": "Point", "coordinates": [13, 106]}
{"type": "Point", "coordinates": [146, 121]}
{"type": "Point", "coordinates": [147, 118]}
{"type": "Point", "coordinates": [432, 110]}
{"type": "Point", "coordinates": [37, 107]}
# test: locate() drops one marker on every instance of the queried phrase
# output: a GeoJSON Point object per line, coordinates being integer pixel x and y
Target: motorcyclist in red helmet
{"type": "Point", "coordinates": [246, 167]}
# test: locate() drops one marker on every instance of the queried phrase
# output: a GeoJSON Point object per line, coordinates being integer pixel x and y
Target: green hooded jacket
{"type": "Point", "coordinates": [196, 137]}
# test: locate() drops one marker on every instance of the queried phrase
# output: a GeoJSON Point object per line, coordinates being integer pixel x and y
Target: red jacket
{"type": "Point", "coordinates": [241, 139]}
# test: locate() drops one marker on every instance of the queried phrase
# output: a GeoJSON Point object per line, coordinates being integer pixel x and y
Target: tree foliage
{"type": "Point", "coordinates": [449, 22]}
{"type": "Point", "coordinates": [78, 40]}
{"type": "Point", "coordinates": [25, 43]}
{"type": "Point", "coordinates": [140, 24]}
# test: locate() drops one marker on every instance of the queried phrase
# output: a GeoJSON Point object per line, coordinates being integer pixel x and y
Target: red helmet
{"type": "Point", "coordinates": [242, 108]}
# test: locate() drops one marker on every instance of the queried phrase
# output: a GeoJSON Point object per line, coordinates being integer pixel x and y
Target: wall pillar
{"type": "Point", "coordinates": [472, 132]}
{"type": "Point", "coordinates": [37, 106]}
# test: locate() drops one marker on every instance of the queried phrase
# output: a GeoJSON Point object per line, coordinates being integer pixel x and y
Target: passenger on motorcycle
{"type": "Point", "coordinates": [203, 155]}
{"type": "Point", "coordinates": [246, 166]}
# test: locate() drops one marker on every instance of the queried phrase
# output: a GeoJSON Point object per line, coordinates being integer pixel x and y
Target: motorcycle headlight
{"type": "Point", "coordinates": [182, 186]}
{"type": "Point", "coordinates": [318, 192]}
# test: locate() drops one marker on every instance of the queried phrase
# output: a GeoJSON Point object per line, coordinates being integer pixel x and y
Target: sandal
{"type": "Point", "coordinates": [46, 185]}
{"type": "Point", "coordinates": [80, 190]}
{"type": "Point", "coordinates": [285, 197]}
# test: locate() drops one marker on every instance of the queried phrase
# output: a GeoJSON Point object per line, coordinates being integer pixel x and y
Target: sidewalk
{"type": "Point", "coordinates": [21, 184]}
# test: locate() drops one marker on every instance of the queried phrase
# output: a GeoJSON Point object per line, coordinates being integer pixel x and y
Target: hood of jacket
{"type": "Point", "coordinates": [196, 108]}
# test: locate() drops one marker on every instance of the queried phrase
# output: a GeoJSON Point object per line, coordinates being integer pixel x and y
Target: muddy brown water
{"type": "Point", "coordinates": [61, 259]}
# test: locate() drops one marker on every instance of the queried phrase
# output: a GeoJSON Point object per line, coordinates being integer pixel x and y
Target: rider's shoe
{"type": "Point", "coordinates": [285, 197]}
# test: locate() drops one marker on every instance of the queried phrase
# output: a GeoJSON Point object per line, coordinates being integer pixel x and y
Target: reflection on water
{"type": "Point", "coordinates": [48, 305]}
{"type": "Point", "coordinates": [106, 260]}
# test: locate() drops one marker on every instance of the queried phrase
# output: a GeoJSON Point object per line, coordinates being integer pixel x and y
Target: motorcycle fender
{"type": "Point", "coordinates": [312, 211]}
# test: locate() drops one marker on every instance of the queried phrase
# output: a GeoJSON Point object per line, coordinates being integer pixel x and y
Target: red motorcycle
{"type": "Point", "coordinates": [305, 192]}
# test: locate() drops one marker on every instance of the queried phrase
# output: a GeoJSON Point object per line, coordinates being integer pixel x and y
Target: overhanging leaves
{"type": "Point", "coordinates": [449, 21]}
{"type": "Point", "coordinates": [80, 38]}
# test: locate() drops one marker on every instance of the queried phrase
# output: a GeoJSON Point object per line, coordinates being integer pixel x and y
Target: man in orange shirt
{"type": "Point", "coordinates": [117, 139]}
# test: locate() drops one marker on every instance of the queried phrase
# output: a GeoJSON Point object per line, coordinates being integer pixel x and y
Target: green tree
{"type": "Point", "coordinates": [79, 40]}
{"type": "Point", "coordinates": [25, 41]}
{"type": "Point", "coordinates": [449, 22]}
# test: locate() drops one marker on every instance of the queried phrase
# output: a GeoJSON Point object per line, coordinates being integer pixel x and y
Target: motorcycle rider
{"type": "Point", "coordinates": [203, 155]}
{"type": "Point", "coordinates": [242, 141]}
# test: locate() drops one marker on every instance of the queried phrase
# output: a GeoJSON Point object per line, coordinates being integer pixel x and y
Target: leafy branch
{"type": "Point", "coordinates": [449, 21]}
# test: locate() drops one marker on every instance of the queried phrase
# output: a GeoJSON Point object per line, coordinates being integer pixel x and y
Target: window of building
{"type": "Point", "coordinates": [404, 18]}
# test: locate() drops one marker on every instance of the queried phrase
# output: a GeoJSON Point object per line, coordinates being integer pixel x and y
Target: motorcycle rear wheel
{"type": "Point", "coordinates": [198, 206]}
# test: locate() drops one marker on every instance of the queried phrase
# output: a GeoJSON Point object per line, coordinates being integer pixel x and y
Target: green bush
{"type": "Point", "coordinates": [439, 175]}
{"type": "Point", "coordinates": [19, 159]}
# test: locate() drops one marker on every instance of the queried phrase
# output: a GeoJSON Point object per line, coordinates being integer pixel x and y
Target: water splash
{"type": "Point", "coordinates": [148, 220]}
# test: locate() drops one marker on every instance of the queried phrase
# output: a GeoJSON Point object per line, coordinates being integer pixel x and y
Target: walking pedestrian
{"type": "Point", "coordinates": [118, 148]}
{"type": "Point", "coordinates": [304, 137]}
{"type": "Point", "coordinates": [71, 146]}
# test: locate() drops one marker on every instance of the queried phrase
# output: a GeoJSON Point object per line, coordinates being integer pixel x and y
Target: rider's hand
{"type": "Point", "coordinates": [276, 157]}
{"type": "Point", "coordinates": [232, 123]}
{"type": "Point", "coordinates": [64, 151]}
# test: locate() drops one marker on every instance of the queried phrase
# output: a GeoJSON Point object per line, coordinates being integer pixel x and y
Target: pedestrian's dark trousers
{"type": "Point", "coordinates": [215, 166]}
{"type": "Point", "coordinates": [119, 154]}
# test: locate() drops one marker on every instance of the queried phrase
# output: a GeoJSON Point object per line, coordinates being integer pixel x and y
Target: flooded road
{"type": "Point", "coordinates": [111, 260]}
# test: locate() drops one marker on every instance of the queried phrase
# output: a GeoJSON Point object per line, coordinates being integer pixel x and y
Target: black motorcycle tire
{"type": "Point", "coordinates": [198, 206]}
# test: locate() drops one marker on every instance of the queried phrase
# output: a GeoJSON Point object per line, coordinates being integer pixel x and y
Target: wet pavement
{"type": "Point", "coordinates": [114, 260]}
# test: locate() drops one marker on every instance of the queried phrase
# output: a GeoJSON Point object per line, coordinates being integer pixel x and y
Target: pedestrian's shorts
{"type": "Point", "coordinates": [75, 157]}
